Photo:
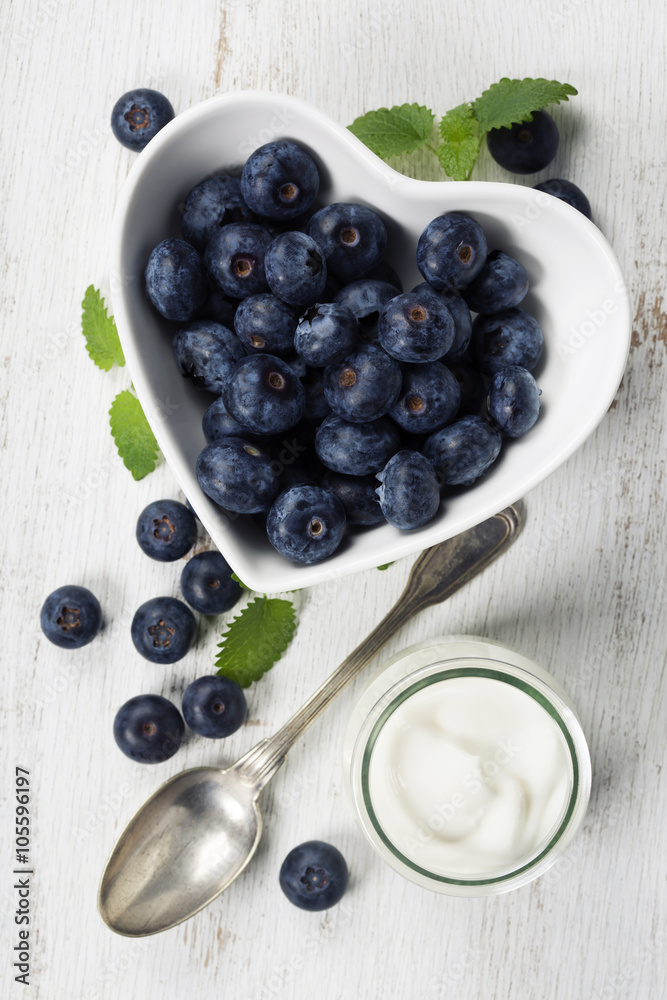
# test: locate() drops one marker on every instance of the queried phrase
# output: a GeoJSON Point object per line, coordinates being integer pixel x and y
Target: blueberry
{"type": "Point", "coordinates": [207, 585]}
{"type": "Point", "coordinates": [460, 314]}
{"type": "Point", "coordinates": [410, 492]}
{"type": "Point", "coordinates": [218, 306]}
{"type": "Point", "coordinates": [314, 875]}
{"type": "Point", "coordinates": [297, 364]}
{"type": "Point", "coordinates": [429, 398]}
{"type": "Point", "coordinates": [148, 729]}
{"type": "Point", "coordinates": [280, 180]}
{"type": "Point", "coordinates": [163, 629]}
{"type": "Point", "coordinates": [416, 326]}
{"type": "Point", "coordinates": [264, 323]}
{"type": "Point", "coordinates": [234, 259]}
{"type": "Point", "coordinates": [306, 524]}
{"type": "Point", "coordinates": [139, 115]}
{"type": "Point", "coordinates": [461, 452]}
{"type": "Point", "coordinates": [71, 617]}
{"type": "Point", "coordinates": [451, 251]}
{"type": "Point", "coordinates": [365, 299]}
{"type": "Point", "coordinates": [317, 406]}
{"type": "Point", "coordinates": [357, 495]}
{"type": "Point", "coordinates": [356, 449]}
{"type": "Point", "coordinates": [471, 385]}
{"type": "Point", "coordinates": [214, 706]}
{"type": "Point", "coordinates": [525, 147]}
{"type": "Point", "coordinates": [175, 280]}
{"type": "Point", "coordinates": [217, 423]}
{"type": "Point", "coordinates": [166, 530]}
{"type": "Point", "coordinates": [510, 337]}
{"type": "Point", "coordinates": [364, 385]}
{"type": "Point", "coordinates": [567, 192]}
{"type": "Point", "coordinates": [513, 402]}
{"type": "Point", "coordinates": [214, 203]}
{"type": "Point", "coordinates": [206, 352]}
{"type": "Point", "coordinates": [326, 333]}
{"type": "Point", "coordinates": [295, 269]}
{"type": "Point", "coordinates": [501, 284]}
{"type": "Point", "coordinates": [237, 475]}
{"type": "Point", "coordinates": [265, 395]}
{"type": "Point", "coordinates": [352, 238]}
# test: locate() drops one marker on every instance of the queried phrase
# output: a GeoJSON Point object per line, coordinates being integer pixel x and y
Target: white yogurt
{"type": "Point", "coordinates": [469, 776]}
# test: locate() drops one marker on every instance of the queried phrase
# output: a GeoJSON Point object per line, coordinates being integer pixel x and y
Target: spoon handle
{"type": "Point", "coordinates": [437, 573]}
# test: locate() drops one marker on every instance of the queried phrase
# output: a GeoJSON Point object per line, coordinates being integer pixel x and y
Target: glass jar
{"type": "Point", "coordinates": [407, 681]}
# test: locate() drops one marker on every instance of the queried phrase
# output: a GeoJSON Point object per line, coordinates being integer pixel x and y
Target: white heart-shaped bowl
{"type": "Point", "coordinates": [577, 294]}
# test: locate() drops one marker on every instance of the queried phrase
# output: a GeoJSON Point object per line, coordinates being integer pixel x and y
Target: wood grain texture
{"type": "Point", "coordinates": [583, 591]}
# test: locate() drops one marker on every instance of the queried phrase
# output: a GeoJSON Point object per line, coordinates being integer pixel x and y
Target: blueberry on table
{"type": "Point", "coordinates": [364, 385]}
{"type": "Point", "coordinates": [463, 451]}
{"type": "Point", "coordinates": [409, 492]}
{"type": "Point", "coordinates": [325, 334]}
{"type": "Point", "coordinates": [139, 115]}
{"type": "Point", "coordinates": [510, 337]}
{"type": "Point", "coordinates": [206, 352]}
{"type": "Point", "coordinates": [525, 147]}
{"type": "Point", "coordinates": [314, 875]}
{"type": "Point", "coordinates": [429, 398]}
{"type": "Point", "coordinates": [357, 495]}
{"type": "Point", "coordinates": [365, 299]}
{"type": "Point", "coordinates": [306, 524]}
{"type": "Point", "coordinates": [175, 280]}
{"type": "Point", "coordinates": [567, 192]}
{"type": "Point", "coordinates": [237, 475]}
{"type": "Point", "coordinates": [451, 250]}
{"type": "Point", "coordinates": [234, 259]}
{"type": "Point", "coordinates": [264, 323]}
{"type": "Point", "coordinates": [295, 269]}
{"type": "Point", "coordinates": [513, 401]}
{"type": "Point", "coordinates": [207, 585]}
{"type": "Point", "coordinates": [416, 326]}
{"type": "Point", "coordinates": [501, 284]}
{"type": "Point", "coordinates": [280, 180]}
{"type": "Point", "coordinates": [217, 423]}
{"type": "Point", "coordinates": [471, 385]}
{"type": "Point", "coordinates": [214, 706]}
{"type": "Point", "coordinates": [148, 729]}
{"type": "Point", "coordinates": [214, 203]}
{"type": "Point", "coordinates": [71, 617]}
{"type": "Point", "coordinates": [352, 238]}
{"type": "Point", "coordinates": [265, 395]}
{"type": "Point", "coordinates": [163, 629]}
{"type": "Point", "coordinates": [166, 530]}
{"type": "Point", "coordinates": [356, 449]}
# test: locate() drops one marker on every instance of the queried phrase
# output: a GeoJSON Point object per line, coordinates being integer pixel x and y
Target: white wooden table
{"type": "Point", "coordinates": [583, 592]}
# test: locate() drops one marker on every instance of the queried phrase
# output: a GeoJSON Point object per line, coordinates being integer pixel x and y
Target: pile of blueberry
{"type": "Point", "coordinates": [340, 399]}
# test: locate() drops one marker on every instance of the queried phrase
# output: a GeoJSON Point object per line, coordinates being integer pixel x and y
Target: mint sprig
{"type": "Point", "coordinates": [255, 639]}
{"type": "Point", "coordinates": [407, 127]}
{"type": "Point", "coordinates": [100, 331]}
{"type": "Point", "coordinates": [131, 431]}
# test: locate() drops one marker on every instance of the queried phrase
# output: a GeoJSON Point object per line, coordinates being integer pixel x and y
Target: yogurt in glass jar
{"type": "Point", "coordinates": [467, 766]}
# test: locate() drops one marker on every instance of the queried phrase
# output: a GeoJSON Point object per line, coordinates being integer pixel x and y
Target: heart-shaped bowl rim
{"type": "Point", "coordinates": [577, 293]}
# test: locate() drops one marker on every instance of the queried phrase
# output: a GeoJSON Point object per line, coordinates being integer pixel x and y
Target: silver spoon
{"type": "Point", "coordinates": [200, 829]}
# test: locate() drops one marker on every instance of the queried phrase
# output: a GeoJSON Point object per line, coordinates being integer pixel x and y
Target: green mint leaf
{"type": "Point", "coordinates": [131, 432]}
{"type": "Point", "coordinates": [460, 144]}
{"type": "Point", "coordinates": [391, 131]}
{"type": "Point", "coordinates": [255, 639]}
{"type": "Point", "coordinates": [386, 565]}
{"type": "Point", "coordinates": [100, 331]}
{"type": "Point", "coordinates": [510, 101]}
{"type": "Point", "coordinates": [240, 582]}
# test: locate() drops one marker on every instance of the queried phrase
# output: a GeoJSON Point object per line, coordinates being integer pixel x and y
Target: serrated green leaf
{"type": "Point", "coordinates": [255, 639]}
{"type": "Point", "coordinates": [460, 144]}
{"type": "Point", "coordinates": [100, 331]}
{"type": "Point", "coordinates": [391, 131]}
{"type": "Point", "coordinates": [131, 431]}
{"type": "Point", "coordinates": [240, 582]}
{"type": "Point", "coordinates": [510, 101]}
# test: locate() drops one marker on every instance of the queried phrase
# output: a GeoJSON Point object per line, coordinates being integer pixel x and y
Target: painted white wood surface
{"type": "Point", "coordinates": [583, 591]}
